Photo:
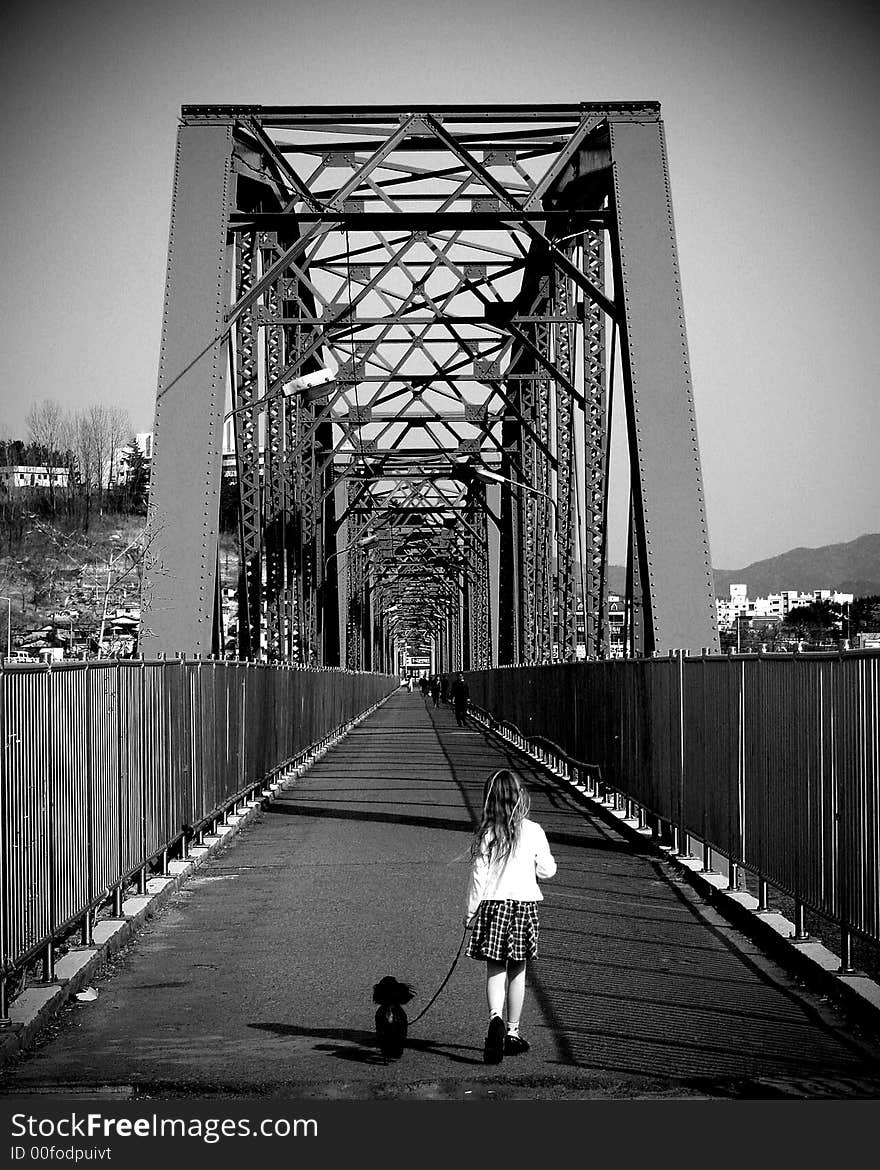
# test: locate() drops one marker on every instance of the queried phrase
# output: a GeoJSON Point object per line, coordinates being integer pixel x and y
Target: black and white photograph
{"type": "Point", "coordinates": [439, 576]}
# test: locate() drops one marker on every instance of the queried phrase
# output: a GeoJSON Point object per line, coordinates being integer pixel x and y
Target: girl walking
{"type": "Point", "coordinates": [509, 854]}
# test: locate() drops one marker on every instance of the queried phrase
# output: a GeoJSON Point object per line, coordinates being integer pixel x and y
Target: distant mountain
{"type": "Point", "coordinates": [853, 567]}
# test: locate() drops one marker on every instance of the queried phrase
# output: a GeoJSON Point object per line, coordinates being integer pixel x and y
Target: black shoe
{"type": "Point", "coordinates": [493, 1049]}
{"type": "Point", "coordinates": [514, 1045]}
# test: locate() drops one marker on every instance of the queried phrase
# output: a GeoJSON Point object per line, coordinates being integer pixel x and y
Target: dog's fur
{"type": "Point", "coordinates": [391, 1021]}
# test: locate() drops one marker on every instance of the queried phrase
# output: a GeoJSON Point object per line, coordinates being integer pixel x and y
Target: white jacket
{"type": "Point", "coordinates": [516, 876]}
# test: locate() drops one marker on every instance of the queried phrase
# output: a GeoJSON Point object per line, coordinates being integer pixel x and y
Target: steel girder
{"type": "Point", "coordinates": [247, 451]}
{"type": "Point", "coordinates": [179, 597]}
{"type": "Point", "coordinates": [445, 266]}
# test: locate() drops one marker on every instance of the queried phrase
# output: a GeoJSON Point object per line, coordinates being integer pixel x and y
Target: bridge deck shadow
{"type": "Point", "coordinates": [257, 978]}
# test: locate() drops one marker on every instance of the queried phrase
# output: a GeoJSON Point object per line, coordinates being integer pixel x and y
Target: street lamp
{"type": "Point", "coordinates": [8, 601]}
{"type": "Point", "coordinates": [364, 542]}
{"type": "Point", "coordinates": [489, 476]}
{"type": "Point", "coordinates": [305, 383]}
{"type": "Point", "coordinates": [465, 469]}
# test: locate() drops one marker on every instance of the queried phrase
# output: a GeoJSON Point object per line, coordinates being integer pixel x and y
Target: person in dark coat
{"type": "Point", "coordinates": [434, 688]}
{"type": "Point", "coordinates": [460, 695]}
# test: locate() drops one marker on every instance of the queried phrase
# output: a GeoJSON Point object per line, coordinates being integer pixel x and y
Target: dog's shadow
{"type": "Point", "coordinates": [361, 1046]}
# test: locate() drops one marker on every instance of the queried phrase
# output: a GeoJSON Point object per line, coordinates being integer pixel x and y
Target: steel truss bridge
{"type": "Point", "coordinates": [416, 322]}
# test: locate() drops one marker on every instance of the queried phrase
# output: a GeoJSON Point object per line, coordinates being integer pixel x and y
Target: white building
{"type": "Point", "coordinates": [25, 478]}
{"type": "Point", "coordinates": [775, 606]}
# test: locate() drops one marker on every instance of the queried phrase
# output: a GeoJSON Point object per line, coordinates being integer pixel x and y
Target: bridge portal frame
{"type": "Point", "coordinates": [609, 177]}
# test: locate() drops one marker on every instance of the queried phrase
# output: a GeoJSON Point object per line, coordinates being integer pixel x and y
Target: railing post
{"type": "Point", "coordinates": [4, 851]}
{"type": "Point", "coordinates": [49, 957]}
{"type": "Point", "coordinates": [87, 935]}
{"type": "Point", "coordinates": [48, 973]}
{"type": "Point", "coordinates": [142, 707]}
{"type": "Point", "coordinates": [680, 837]}
{"type": "Point", "coordinates": [122, 821]}
{"type": "Point", "coordinates": [736, 788]}
{"type": "Point", "coordinates": [846, 963]}
{"type": "Point", "coordinates": [800, 931]}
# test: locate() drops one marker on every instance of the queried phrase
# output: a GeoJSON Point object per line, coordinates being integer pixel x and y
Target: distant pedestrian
{"type": "Point", "coordinates": [434, 688]}
{"type": "Point", "coordinates": [409, 684]}
{"type": "Point", "coordinates": [460, 695]}
{"type": "Point", "coordinates": [509, 854]}
{"type": "Point", "coordinates": [423, 686]}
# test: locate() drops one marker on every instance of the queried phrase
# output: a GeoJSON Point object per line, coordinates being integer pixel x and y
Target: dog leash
{"type": "Point", "coordinates": [424, 1010]}
{"type": "Point", "coordinates": [468, 925]}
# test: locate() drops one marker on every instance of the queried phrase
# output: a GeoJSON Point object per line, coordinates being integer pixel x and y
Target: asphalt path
{"type": "Point", "coordinates": [256, 978]}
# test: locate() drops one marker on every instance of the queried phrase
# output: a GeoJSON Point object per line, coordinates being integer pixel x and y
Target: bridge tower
{"type": "Point", "coordinates": [411, 325]}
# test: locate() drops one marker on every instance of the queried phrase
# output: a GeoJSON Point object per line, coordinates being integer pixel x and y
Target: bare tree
{"type": "Point", "coordinates": [120, 433]}
{"type": "Point", "coordinates": [98, 419]}
{"type": "Point", "coordinates": [87, 470]}
{"type": "Point", "coordinates": [49, 427]}
{"type": "Point", "coordinates": [46, 423]}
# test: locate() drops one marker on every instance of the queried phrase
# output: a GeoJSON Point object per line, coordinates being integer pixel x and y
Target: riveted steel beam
{"type": "Point", "coordinates": [180, 572]}
{"type": "Point", "coordinates": [670, 518]}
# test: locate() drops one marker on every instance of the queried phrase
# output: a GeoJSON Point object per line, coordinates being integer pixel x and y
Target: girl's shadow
{"type": "Point", "coordinates": [357, 1045]}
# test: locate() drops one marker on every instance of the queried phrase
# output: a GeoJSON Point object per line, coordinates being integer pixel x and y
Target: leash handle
{"type": "Point", "coordinates": [424, 1010]}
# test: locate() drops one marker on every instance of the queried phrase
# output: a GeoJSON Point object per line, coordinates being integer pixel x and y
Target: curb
{"type": "Point", "coordinates": [36, 1006]}
{"type": "Point", "coordinates": [857, 996]}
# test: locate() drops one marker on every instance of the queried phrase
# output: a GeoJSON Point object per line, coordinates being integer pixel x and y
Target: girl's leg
{"type": "Point", "coordinates": [496, 977]}
{"type": "Point", "coordinates": [516, 990]}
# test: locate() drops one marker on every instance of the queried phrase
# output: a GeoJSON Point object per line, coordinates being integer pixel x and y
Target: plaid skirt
{"type": "Point", "coordinates": [504, 930]}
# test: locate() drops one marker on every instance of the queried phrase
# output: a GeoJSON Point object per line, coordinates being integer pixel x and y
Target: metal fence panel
{"type": "Point", "coordinates": [856, 755]}
{"type": "Point", "coordinates": [712, 759]}
{"type": "Point", "coordinates": [105, 764]}
{"type": "Point", "coordinates": [70, 792]}
{"type": "Point", "coordinates": [774, 760]}
{"type": "Point", "coordinates": [28, 837]}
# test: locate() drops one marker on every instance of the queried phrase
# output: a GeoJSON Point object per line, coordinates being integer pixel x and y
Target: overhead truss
{"type": "Point", "coordinates": [411, 309]}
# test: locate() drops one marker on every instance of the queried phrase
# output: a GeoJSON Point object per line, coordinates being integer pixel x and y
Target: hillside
{"type": "Point", "coordinates": [853, 567]}
{"type": "Point", "coordinates": [55, 576]}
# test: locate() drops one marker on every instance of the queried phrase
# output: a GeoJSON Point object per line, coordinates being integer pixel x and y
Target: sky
{"type": "Point", "coordinates": [770, 111]}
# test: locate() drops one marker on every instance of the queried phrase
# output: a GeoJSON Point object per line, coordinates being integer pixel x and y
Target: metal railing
{"type": "Point", "coordinates": [108, 767]}
{"type": "Point", "coordinates": [770, 760]}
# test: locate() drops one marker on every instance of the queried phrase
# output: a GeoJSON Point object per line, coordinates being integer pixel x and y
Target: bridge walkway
{"type": "Point", "coordinates": [256, 977]}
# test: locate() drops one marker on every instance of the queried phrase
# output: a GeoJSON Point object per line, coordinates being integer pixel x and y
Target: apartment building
{"type": "Point", "coordinates": [775, 606]}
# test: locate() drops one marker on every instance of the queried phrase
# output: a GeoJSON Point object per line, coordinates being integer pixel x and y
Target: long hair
{"type": "Point", "coordinates": [505, 805]}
